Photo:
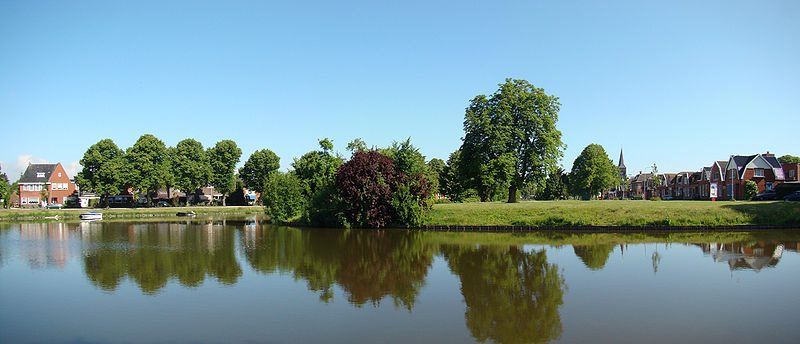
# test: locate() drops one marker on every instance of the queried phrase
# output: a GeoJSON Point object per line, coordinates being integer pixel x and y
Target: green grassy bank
{"type": "Point", "coordinates": [67, 214]}
{"type": "Point", "coordinates": [616, 213]}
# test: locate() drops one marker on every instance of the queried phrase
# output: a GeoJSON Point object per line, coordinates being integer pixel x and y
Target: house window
{"type": "Point", "coordinates": [791, 173]}
{"type": "Point", "coordinates": [59, 174]}
{"type": "Point", "coordinates": [769, 186]}
{"type": "Point", "coordinates": [759, 172]}
{"type": "Point", "coordinates": [39, 174]}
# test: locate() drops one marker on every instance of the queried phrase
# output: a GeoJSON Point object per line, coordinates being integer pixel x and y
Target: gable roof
{"type": "Point", "coordinates": [33, 170]}
{"type": "Point", "coordinates": [740, 162]}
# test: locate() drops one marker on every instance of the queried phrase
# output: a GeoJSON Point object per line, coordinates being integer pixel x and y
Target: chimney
{"type": "Point", "coordinates": [769, 155]}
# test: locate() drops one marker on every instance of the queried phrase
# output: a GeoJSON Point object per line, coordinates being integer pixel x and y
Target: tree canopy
{"type": "Point", "coordinates": [222, 159]}
{"type": "Point", "coordinates": [510, 139]}
{"type": "Point", "coordinates": [104, 168]}
{"type": "Point", "coordinates": [191, 166]}
{"type": "Point", "coordinates": [258, 167]}
{"type": "Point", "coordinates": [593, 171]}
{"type": "Point", "coordinates": [148, 163]}
{"type": "Point", "coordinates": [5, 189]}
{"type": "Point", "coordinates": [789, 159]}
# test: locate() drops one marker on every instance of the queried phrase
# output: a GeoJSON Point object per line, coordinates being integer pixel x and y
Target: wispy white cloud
{"type": "Point", "coordinates": [21, 164]}
{"type": "Point", "coordinates": [72, 168]}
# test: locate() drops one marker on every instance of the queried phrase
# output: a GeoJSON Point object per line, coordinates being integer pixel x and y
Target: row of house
{"type": "Point", "coordinates": [722, 180]}
{"type": "Point", "coordinates": [47, 184]}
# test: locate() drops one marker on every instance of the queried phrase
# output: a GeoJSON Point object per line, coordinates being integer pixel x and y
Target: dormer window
{"type": "Point", "coordinates": [39, 174]}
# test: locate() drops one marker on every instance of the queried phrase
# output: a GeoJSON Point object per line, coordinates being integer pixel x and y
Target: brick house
{"type": "Point", "coordinates": [665, 190]}
{"type": "Point", "coordinates": [763, 169]}
{"type": "Point", "coordinates": [640, 186]}
{"type": "Point", "coordinates": [717, 178]}
{"type": "Point", "coordinates": [44, 179]}
{"type": "Point", "coordinates": [791, 171]}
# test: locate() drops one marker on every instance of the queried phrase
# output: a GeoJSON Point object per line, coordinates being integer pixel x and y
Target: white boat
{"type": "Point", "coordinates": [92, 216]}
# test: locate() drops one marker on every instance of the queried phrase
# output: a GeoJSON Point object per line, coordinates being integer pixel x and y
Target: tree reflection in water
{"type": "Point", "coordinates": [593, 256]}
{"type": "Point", "coordinates": [512, 296]}
{"type": "Point", "coordinates": [152, 254]}
{"type": "Point", "coordinates": [367, 265]}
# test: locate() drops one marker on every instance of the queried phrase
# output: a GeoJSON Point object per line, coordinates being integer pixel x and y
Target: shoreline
{"type": "Point", "coordinates": [38, 215]}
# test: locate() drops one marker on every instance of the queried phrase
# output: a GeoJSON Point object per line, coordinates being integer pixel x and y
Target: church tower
{"type": "Point", "coordinates": [623, 171]}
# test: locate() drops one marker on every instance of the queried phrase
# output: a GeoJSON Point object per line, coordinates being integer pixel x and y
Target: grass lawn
{"type": "Point", "coordinates": [41, 214]}
{"type": "Point", "coordinates": [616, 213]}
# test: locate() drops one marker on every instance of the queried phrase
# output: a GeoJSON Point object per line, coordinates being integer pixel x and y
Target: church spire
{"type": "Point", "coordinates": [621, 159]}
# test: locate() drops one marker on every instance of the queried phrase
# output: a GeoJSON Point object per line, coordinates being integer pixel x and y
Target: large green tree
{"type": "Point", "coordinates": [223, 158]}
{"type": "Point", "coordinates": [789, 159]}
{"type": "Point", "coordinates": [435, 168]}
{"type": "Point", "coordinates": [283, 198]}
{"type": "Point", "coordinates": [316, 171]}
{"type": "Point", "coordinates": [5, 189]}
{"type": "Point", "coordinates": [406, 157]}
{"type": "Point", "coordinates": [104, 169]}
{"type": "Point", "coordinates": [191, 167]}
{"type": "Point", "coordinates": [149, 163]}
{"type": "Point", "coordinates": [511, 138]}
{"type": "Point", "coordinates": [593, 171]}
{"type": "Point", "coordinates": [258, 167]}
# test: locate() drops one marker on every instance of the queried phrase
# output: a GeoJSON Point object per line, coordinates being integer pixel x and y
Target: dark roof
{"type": "Point", "coordinates": [621, 159]}
{"type": "Point", "coordinates": [723, 164]}
{"type": "Point", "coordinates": [772, 160]}
{"type": "Point", "coordinates": [30, 175]}
{"type": "Point", "coordinates": [641, 177]}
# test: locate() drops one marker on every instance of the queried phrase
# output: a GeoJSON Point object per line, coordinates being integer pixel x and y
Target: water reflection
{"type": "Point", "coordinates": [367, 265]}
{"type": "Point", "coordinates": [152, 254]}
{"type": "Point", "coordinates": [512, 296]}
{"type": "Point", "coordinates": [511, 293]}
{"type": "Point", "coordinates": [748, 255]}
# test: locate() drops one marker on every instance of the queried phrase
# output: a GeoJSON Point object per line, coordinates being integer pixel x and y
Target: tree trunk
{"type": "Point", "coordinates": [512, 193]}
{"type": "Point", "coordinates": [223, 198]}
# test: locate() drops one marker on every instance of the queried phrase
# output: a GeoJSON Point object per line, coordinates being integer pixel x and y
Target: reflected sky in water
{"type": "Point", "coordinates": [213, 280]}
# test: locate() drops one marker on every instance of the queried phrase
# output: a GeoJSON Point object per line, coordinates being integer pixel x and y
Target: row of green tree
{"type": "Point", "coordinates": [150, 165]}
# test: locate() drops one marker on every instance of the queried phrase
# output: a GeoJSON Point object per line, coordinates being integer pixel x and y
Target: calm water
{"type": "Point", "coordinates": [238, 280]}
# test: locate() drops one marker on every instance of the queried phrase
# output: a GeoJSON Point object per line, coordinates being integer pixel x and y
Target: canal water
{"type": "Point", "coordinates": [238, 279]}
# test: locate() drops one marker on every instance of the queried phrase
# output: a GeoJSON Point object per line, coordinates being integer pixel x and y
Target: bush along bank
{"type": "Point", "coordinates": [375, 188]}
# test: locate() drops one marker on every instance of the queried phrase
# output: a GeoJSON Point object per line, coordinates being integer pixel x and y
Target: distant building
{"type": "Point", "coordinates": [44, 184]}
{"type": "Point", "coordinates": [791, 172]}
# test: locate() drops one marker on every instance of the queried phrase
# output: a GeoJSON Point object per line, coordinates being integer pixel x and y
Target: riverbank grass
{"type": "Point", "coordinates": [616, 213]}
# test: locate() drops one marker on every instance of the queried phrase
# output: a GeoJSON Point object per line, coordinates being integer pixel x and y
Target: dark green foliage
{"type": "Point", "coordinates": [592, 172]}
{"type": "Point", "coordinates": [105, 170]}
{"type": "Point", "coordinates": [555, 187]}
{"type": "Point", "coordinates": [789, 159]}
{"type": "Point", "coordinates": [191, 167]}
{"type": "Point", "coordinates": [258, 167]}
{"type": "Point", "coordinates": [283, 198]}
{"type": "Point", "coordinates": [222, 159]}
{"type": "Point", "coordinates": [316, 171]}
{"type": "Point", "coordinates": [750, 189]}
{"type": "Point", "coordinates": [5, 190]}
{"type": "Point", "coordinates": [435, 168]}
{"type": "Point", "coordinates": [407, 158]}
{"type": "Point", "coordinates": [148, 162]}
{"type": "Point", "coordinates": [451, 183]}
{"type": "Point", "coordinates": [510, 139]}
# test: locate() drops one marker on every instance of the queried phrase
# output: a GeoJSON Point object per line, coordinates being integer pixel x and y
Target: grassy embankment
{"type": "Point", "coordinates": [68, 214]}
{"type": "Point", "coordinates": [617, 213]}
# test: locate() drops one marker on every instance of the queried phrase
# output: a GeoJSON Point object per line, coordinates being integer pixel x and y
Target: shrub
{"type": "Point", "coordinates": [283, 198]}
{"type": "Point", "coordinates": [374, 194]}
{"type": "Point", "coordinates": [750, 189]}
{"type": "Point", "coordinates": [365, 184]}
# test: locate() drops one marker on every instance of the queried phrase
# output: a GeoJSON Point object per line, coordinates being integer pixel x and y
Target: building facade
{"type": "Point", "coordinates": [44, 184]}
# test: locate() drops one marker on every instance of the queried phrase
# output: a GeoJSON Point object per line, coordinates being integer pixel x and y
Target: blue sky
{"type": "Point", "coordinates": [678, 83]}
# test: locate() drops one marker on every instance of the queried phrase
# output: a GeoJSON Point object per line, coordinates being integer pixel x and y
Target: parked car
{"type": "Point", "coordinates": [163, 204]}
{"type": "Point", "coordinates": [765, 196]}
{"type": "Point", "coordinates": [55, 206]}
{"type": "Point", "coordinates": [794, 196]}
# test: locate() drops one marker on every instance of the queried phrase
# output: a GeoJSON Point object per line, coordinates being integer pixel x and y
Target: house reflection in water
{"type": "Point", "coordinates": [749, 256]}
{"type": "Point", "coordinates": [46, 244]}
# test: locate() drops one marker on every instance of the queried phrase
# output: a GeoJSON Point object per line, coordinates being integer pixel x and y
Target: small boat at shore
{"type": "Point", "coordinates": [186, 214]}
{"type": "Point", "coordinates": [91, 216]}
